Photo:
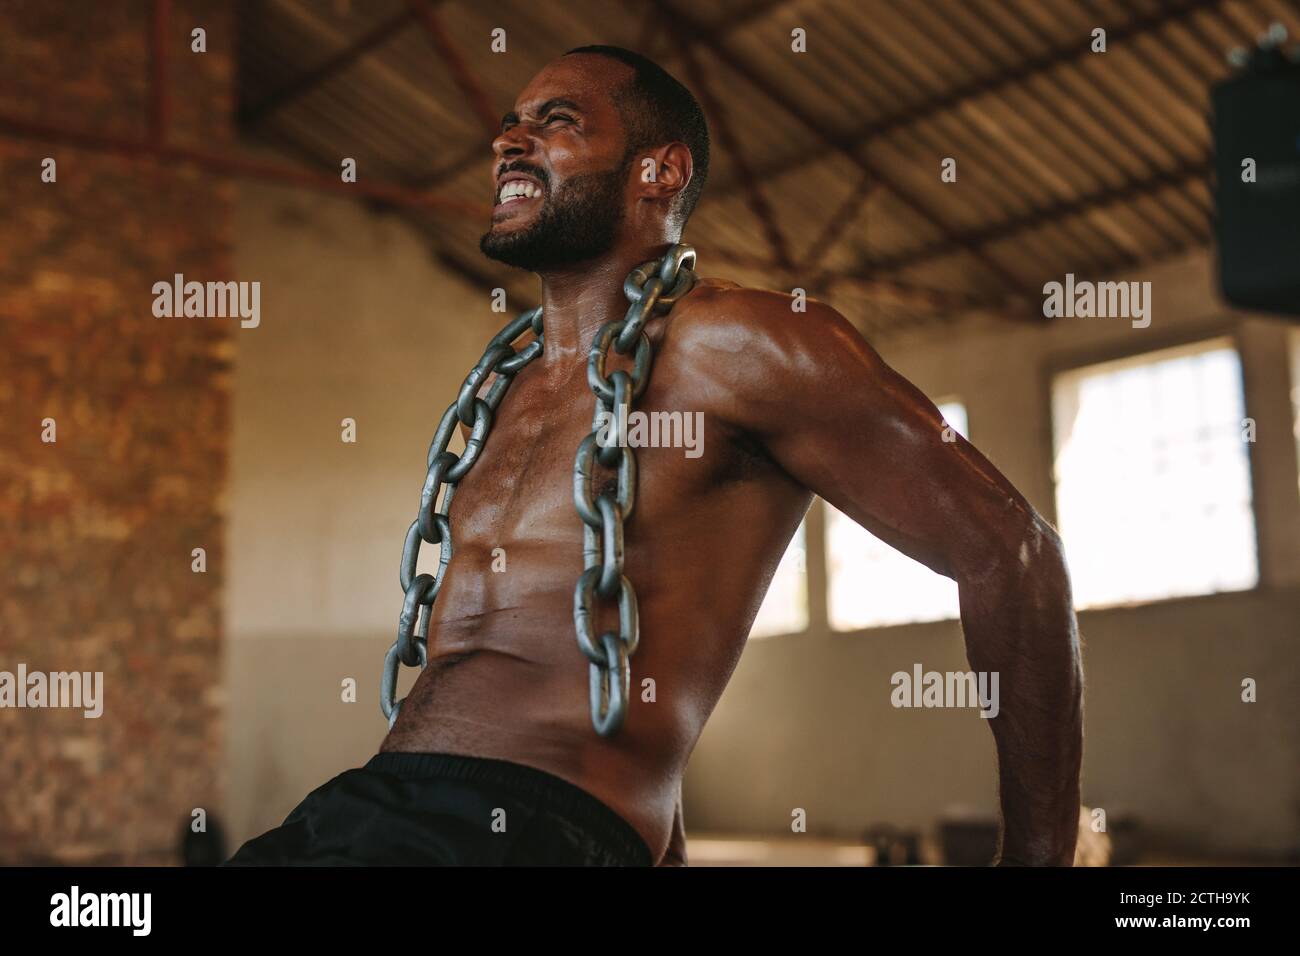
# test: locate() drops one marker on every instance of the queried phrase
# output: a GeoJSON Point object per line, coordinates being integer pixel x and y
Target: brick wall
{"type": "Point", "coordinates": [97, 529]}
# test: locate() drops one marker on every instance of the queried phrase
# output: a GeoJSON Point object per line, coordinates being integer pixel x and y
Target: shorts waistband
{"type": "Point", "coordinates": [558, 794]}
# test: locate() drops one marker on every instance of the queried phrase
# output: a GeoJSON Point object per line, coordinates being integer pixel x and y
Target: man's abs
{"type": "Point", "coordinates": [509, 682]}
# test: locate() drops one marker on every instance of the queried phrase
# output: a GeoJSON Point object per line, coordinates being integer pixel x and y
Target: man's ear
{"type": "Point", "coordinates": [664, 172]}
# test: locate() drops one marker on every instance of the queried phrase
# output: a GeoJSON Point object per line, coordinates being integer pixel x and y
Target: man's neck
{"type": "Point", "coordinates": [578, 301]}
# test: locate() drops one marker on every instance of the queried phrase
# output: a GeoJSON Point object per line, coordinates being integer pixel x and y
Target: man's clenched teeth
{"type": "Point", "coordinates": [517, 189]}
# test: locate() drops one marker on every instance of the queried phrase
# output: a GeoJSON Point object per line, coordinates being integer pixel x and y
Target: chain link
{"type": "Point", "coordinates": [652, 288]}
{"type": "Point", "coordinates": [445, 470]}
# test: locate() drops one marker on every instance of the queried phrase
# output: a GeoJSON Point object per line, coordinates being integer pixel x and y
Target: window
{"type": "Point", "coordinates": [873, 585]}
{"type": "Point", "coordinates": [1153, 478]}
{"type": "Point", "coordinates": [785, 609]}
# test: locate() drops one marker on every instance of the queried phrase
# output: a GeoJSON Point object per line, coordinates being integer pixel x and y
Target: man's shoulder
{"type": "Point", "coordinates": [716, 301]}
{"type": "Point", "coordinates": [720, 316]}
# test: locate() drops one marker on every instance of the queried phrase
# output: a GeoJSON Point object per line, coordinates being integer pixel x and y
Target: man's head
{"type": "Point", "coordinates": [602, 142]}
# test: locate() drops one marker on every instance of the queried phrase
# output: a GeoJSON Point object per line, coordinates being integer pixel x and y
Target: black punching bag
{"type": "Point", "coordinates": [1257, 117]}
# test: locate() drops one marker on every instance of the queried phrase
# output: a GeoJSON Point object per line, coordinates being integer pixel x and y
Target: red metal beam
{"type": "Point", "coordinates": [344, 58]}
{"type": "Point", "coordinates": [898, 293]}
{"type": "Point", "coordinates": [239, 167]}
{"type": "Point", "coordinates": [839, 221]}
{"type": "Point", "coordinates": [780, 96]}
{"type": "Point", "coordinates": [908, 296]}
{"type": "Point", "coordinates": [653, 18]}
{"type": "Point", "coordinates": [474, 156]}
{"type": "Point", "coordinates": [1127, 262]}
{"type": "Point", "coordinates": [1182, 12]}
{"type": "Point", "coordinates": [754, 196]}
{"type": "Point", "coordinates": [159, 95]}
{"type": "Point", "coordinates": [1044, 215]}
{"type": "Point", "coordinates": [461, 72]}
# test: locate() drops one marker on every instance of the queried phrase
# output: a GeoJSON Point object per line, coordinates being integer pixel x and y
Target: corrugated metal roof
{"type": "Point", "coordinates": [1067, 160]}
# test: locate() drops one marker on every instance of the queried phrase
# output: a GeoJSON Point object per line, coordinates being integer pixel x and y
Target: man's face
{"type": "Point", "coordinates": [561, 167]}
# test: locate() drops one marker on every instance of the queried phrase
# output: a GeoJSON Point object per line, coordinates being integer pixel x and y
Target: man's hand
{"type": "Point", "coordinates": [846, 426]}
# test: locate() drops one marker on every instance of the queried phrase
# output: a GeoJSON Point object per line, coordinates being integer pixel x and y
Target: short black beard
{"type": "Point", "coordinates": [578, 222]}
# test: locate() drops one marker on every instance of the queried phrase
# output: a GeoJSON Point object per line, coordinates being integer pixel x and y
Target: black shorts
{"type": "Point", "coordinates": [405, 809]}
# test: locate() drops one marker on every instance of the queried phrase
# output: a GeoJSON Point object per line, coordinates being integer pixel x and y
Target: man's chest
{"type": "Point", "coordinates": [523, 482]}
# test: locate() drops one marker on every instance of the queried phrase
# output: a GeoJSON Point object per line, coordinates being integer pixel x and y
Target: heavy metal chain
{"type": "Point", "coordinates": [447, 468]}
{"type": "Point", "coordinates": [652, 288]}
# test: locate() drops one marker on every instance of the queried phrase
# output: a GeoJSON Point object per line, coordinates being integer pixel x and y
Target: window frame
{"type": "Point", "coordinates": [1057, 363]}
{"type": "Point", "coordinates": [1052, 364]}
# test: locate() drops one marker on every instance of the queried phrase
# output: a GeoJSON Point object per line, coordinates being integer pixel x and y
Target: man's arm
{"type": "Point", "coordinates": [676, 852]}
{"type": "Point", "coordinates": [846, 426]}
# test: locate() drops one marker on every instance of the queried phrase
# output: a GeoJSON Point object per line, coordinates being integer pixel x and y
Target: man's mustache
{"type": "Point", "coordinates": [529, 168]}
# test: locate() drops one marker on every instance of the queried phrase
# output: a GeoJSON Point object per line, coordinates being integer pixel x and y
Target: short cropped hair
{"type": "Point", "coordinates": [657, 109]}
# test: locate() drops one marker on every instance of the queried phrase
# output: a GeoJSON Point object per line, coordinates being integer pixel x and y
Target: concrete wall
{"type": "Point", "coordinates": [806, 721]}
{"type": "Point", "coordinates": [97, 527]}
{"type": "Point", "coordinates": [359, 322]}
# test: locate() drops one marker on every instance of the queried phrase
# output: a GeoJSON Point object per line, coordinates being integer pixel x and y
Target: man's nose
{"type": "Point", "coordinates": [512, 143]}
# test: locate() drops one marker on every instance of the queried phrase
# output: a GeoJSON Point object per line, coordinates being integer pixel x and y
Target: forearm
{"type": "Point", "coordinates": [1019, 623]}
